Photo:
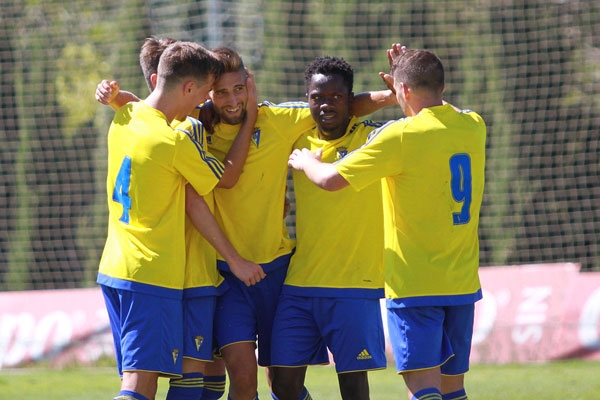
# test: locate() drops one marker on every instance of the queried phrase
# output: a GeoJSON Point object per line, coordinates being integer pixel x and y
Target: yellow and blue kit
{"type": "Point", "coordinates": [433, 170]}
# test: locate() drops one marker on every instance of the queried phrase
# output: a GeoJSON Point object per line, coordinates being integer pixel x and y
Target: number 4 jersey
{"type": "Point", "coordinates": [149, 165]}
{"type": "Point", "coordinates": [433, 169]}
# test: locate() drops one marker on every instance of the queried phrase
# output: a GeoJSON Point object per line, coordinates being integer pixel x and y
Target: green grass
{"type": "Point", "coordinates": [573, 380]}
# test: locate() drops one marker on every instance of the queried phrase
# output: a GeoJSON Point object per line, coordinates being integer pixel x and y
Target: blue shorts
{"type": "Point", "coordinates": [245, 314]}
{"type": "Point", "coordinates": [198, 315]}
{"type": "Point", "coordinates": [427, 337]}
{"type": "Point", "coordinates": [147, 331]}
{"type": "Point", "coordinates": [352, 329]}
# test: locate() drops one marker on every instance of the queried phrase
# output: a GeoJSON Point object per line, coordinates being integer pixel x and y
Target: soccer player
{"type": "Point", "coordinates": [433, 164]}
{"type": "Point", "coordinates": [203, 375]}
{"type": "Point", "coordinates": [331, 295]}
{"type": "Point", "coordinates": [142, 269]}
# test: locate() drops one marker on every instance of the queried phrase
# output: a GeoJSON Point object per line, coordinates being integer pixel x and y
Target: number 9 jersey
{"type": "Point", "coordinates": [434, 166]}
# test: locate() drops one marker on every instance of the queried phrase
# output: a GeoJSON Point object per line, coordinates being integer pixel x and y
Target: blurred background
{"type": "Point", "coordinates": [530, 68]}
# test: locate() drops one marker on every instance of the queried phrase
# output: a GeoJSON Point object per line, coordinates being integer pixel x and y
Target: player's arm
{"type": "Point", "coordinates": [109, 94]}
{"type": "Point", "coordinates": [205, 222]}
{"type": "Point", "coordinates": [366, 103]}
{"type": "Point", "coordinates": [324, 175]}
{"type": "Point", "coordinates": [236, 157]}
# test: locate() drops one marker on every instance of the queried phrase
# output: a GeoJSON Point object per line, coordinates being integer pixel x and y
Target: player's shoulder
{"type": "Point", "coordinates": [283, 114]}
{"type": "Point", "coordinates": [370, 124]}
{"type": "Point", "coordinates": [467, 113]}
{"type": "Point", "coordinates": [282, 107]}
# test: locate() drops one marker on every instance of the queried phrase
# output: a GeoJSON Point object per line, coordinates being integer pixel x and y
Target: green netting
{"type": "Point", "coordinates": [530, 68]}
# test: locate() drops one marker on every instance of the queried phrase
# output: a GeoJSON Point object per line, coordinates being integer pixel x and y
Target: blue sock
{"type": "Point", "coordinates": [304, 395]}
{"type": "Point", "coordinates": [458, 395]}
{"type": "Point", "coordinates": [214, 387]}
{"type": "Point", "coordinates": [189, 387]}
{"type": "Point", "coordinates": [129, 395]}
{"type": "Point", "coordinates": [427, 394]}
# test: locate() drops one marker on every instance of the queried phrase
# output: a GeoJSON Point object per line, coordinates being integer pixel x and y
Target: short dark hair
{"type": "Point", "coordinates": [152, 49]}
{"type": "Point", "coordinates": [330, 66]}
{"type": "Point", "coordinates": [183, 60]}
{"type": "Point", "coordinates": [231, 60]}
{"type": "Point", "coordinates": [419, 69]}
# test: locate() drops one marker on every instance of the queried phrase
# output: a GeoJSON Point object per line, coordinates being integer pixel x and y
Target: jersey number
{"type": "Point", "coordinates": [460, 184]}
{"type": "Point", "coordinates": [121, 190]}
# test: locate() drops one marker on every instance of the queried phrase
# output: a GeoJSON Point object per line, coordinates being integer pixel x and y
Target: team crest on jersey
{"type": "Point", "coordinates": [175, 355]}
{"type": "Point", "coordinates": [256, 137]}
{"type": "Point", "coordinates": [209, 139]}
{"type": "Point", "coordinates": [341, 152]}
{"type": "Point", "coordinates": [198, 340]}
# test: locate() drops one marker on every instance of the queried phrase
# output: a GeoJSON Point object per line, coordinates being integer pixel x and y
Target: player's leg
{"type": "Point", "coordinates": [235, 333]}
{"type": "Point", "coordinates": [138, 385]}
{"type": "Point", "coordinates": [214, 380]}
{"type": "Point", "coordinates": [149, 333]}
{"type": "Point", "coordinates": [288, 383]}
{"type": "Point", "coordinates": [240, 360]}
{"type": "Point", "coordinates": [459, 329]}
{"type": "Point", "coordinates": [352, 329]}
{"type": "Point", "coordinates": [354, 385]}
{"type": "Point", "coordinates": [296, 344]}
{"type": "Point", "coordinates": [420, 347]}
{"type": "Point", "coordinates": [198, 313]}
{"type": "Point", "coordinates": [190, 385]}
{"type": "Point", "coordinates": [423, 384]}
{"type": "Point", "coordinates": [453, 387]}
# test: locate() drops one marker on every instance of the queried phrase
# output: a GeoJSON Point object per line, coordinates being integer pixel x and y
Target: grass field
{"type": "Point", "coordinates": [573, 380]}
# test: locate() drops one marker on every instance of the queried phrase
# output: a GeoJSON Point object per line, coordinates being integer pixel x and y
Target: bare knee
{"type": "Point", "coordinates": [354, 385]}
{"type": "Point", "coordinates": [142, 382]}
{"type": "Point", "coordinates": [240, 361]}
{"type": "Point", "coordinates": [288, 383]}
{"type": "Point", "coordinates": [452, 383]}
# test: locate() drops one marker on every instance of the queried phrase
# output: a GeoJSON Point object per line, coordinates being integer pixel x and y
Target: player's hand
{"type": "Point", "coordinates": [392, 53]}
{"type": "Point", "coordinates": [300, 157]}
{"type": "Point", "coordinates": [247, 271]}
{"type": "Point", "coordinates": [107, 91]}
{"type": "Point", "coordinates": [252, 103]}
{"type": "Point", "coordinates": [389, 81]}
{"type": "Point", "coordinates": [251, 87]}
{"type": "Point", "coordinates": [395, 51]}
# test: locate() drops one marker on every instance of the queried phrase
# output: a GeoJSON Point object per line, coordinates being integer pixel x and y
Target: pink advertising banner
{"type": "Point", "coordinates": [534, 313]}
{"type": "Point", "coordinates": [529, 313]}
{"type": "Point", "coordinates": [58, 326]}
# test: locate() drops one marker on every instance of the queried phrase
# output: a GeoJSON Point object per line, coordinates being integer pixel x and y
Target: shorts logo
{"type": "Point", "coordinates": [175, 354]}
{"type": "Point", "coordinates": [363, 355]}
{"type": "Point", "coordinates": [198, 340]}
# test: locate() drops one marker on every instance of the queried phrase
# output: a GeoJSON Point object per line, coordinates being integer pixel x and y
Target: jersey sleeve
{"type": "Point", "coordinates": [373, 160]}
{"type": "Point", "coordinates": [199, 167]}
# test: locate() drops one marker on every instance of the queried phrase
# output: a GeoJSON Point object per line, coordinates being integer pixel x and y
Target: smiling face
{"type": "Point", "coordinates": [230, 97]}
{"type": "Point", "coordinates": [329, 101]}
